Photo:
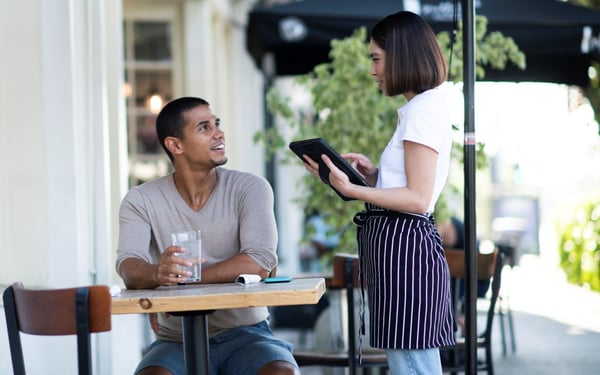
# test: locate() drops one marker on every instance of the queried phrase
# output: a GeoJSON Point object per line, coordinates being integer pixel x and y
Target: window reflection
{"type": "Point", "coordinates": [147, 142]}
{"type": "Point", "coordinates": [152, 41]}
{"type": "Point", "coordinates": [148, 87]}
{"type": "Point", "coordinates": [152, 82]}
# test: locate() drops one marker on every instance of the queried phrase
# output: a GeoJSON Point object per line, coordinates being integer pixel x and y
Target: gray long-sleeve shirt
{"type": "Point", "coordinates": [237, 218]}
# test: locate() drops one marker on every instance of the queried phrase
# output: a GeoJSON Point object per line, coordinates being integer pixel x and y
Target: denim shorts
{"type": "Point", "coordinates": [236, 351]}
{"type": "Point", "coordinates": [414, 362]}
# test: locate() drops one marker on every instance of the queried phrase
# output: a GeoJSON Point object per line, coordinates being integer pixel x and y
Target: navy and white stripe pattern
{"type": "Point", "coordinates": [407, 280]}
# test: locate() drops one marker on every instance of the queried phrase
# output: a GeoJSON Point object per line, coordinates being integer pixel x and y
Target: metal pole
{"type": "Point", "coordinates": [268, 69]}
{"type": "Point", "coordinates": [468, 17]}
{"type": "Point", "coordinates": [195, 343]}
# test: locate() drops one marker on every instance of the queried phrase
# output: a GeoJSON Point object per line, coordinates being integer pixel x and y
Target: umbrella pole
{"type": "Point", "coordinates": [468, 16]}
{"type": "Point", "coordinates": [269, 74]}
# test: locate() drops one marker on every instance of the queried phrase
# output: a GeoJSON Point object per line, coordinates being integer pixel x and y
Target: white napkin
{"type": "Point", "coordinates": [247, 279]}
{"type": "Point", "coordinates": [114, 290]}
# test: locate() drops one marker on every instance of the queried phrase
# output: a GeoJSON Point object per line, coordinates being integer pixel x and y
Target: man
{"type": "Point", "coordinates": [234, 212]}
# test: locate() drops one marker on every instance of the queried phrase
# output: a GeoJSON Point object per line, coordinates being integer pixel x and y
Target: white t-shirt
{"type": "Point", "coordinates": [425, 119]}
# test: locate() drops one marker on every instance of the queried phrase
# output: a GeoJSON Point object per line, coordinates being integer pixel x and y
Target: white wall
{"type": "Point", "coordinates": [63, 147]}
{"type": "Point", "coordinates": [55, 154]}
{"type": "Point", "coordinates": [24, 182]}
{"type": "Point", "coordinates": [61, 157]}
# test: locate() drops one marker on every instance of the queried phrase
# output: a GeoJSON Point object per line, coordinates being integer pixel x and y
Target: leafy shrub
{"type": "Point", "coordinates": [579, 239]}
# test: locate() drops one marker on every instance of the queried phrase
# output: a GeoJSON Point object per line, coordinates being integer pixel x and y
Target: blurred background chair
{"type": "Point", "coordinates": [345, 279]}
{"type": "Point", "coordinates": [489, 266]}
{"type": "Point", "coordinates": [299, 318]}
{"type": "Point", "coordinates": [51, 312]}
{"type": "Point", "coordinates": [507, 234]}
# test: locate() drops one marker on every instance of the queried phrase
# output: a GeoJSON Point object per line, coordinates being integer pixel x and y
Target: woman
{"type": "Point", "coordinates": [402, 258]}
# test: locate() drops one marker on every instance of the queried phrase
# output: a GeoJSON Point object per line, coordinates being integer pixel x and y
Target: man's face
{"type": "Point", "coordinates": [203, 141]}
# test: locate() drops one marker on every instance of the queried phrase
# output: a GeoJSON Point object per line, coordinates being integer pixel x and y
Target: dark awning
{"type": "Point", "coordinates": [559, 39]}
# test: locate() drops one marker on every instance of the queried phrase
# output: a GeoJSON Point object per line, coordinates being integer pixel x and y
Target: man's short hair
{"type": "Point", "coordinates": [170, 120]}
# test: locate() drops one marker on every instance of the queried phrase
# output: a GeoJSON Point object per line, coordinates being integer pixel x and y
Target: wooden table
{"type": "Point", "coordinates": [194, 302]}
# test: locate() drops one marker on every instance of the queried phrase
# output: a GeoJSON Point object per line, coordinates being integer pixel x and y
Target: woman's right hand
{"type": "Point", "coordinates": [363, 165]}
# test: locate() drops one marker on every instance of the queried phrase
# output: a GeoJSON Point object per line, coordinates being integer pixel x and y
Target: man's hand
{"type": "Point", "coordinates": [168, 271]}
{"type": "Point", "coordinates": [139, 274]}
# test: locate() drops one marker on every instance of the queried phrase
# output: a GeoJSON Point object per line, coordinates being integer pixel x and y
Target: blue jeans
{"type": "Point", "coordinates": [236, 351]}
{"type": "Point", "coordinates": [414, 362]}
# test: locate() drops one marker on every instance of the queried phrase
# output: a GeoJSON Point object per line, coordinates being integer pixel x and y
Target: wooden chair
{"type": "Point", "coordinates": [52, 312]}
{"type": "Point", "coordinates": [488, 266]}
{"type": "Point", "coordinates": [345, 277]}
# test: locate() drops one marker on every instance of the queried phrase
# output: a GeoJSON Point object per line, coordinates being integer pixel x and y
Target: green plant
{"type": "Point", "coordinates": [349, 111]}
{"type": "Point", "coordinates": [592, 91]}
{"type": "Point", "coordinates": [579, 239]}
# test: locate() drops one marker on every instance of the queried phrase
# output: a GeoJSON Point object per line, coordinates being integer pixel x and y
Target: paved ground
{"type": "Point", "coordinates": [557, 325]}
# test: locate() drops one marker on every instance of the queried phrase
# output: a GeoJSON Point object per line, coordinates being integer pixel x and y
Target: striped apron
{"type": "Point", "coordinates": [407, 280]}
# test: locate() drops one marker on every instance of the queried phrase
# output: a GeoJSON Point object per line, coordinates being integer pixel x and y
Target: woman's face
{"type": "Point", "coordinates": [378, 65]}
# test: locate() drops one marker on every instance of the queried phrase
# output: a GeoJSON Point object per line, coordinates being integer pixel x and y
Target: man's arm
{"type": "Point", "coordinates": [226, 271]}
{"type": "Point", "coordinates": [139, 274]}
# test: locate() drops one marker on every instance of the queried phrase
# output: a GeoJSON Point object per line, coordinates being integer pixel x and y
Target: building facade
{"type": "Point", "coordinates": [76, 109]}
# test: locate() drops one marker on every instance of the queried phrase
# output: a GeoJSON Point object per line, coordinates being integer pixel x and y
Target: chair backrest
{"type": "Point", "coordinates": [345, 275]}
{"type": "Point", "coordinates": [495, 292]}
{"type": "Point", "coordinates": [489, 266]}
{"type": "Point", "coordinates": [52, 312]}
{"type": "Point", "coordinates": [456, 264]}
{"type": "Point", "coordinates": [345, 271]}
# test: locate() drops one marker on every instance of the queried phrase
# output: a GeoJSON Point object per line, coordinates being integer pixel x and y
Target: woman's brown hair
{"type": "Point", "coordinates": [413, 59]}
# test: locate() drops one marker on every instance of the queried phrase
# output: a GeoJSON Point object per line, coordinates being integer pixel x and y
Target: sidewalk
{"type": "Point", "coordinates": [557, 325]}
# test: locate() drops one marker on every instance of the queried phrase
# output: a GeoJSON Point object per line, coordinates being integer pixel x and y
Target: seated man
{"type": "Point", "coordinates": [234, 211]}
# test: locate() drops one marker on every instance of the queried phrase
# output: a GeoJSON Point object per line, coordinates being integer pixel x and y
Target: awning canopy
{"type": "Point", "coordinates": [559, 39]}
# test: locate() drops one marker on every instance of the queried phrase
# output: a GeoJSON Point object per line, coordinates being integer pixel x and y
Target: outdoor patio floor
{"type": "Point", "coordinates": [557, 325]}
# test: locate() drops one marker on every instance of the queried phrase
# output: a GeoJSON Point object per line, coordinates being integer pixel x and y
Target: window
{"type": "Point", "coordinates": [149, 84]}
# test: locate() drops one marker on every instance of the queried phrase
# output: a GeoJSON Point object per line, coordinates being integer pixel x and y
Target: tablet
{"type": "Point", "coordinates": [316, 147]}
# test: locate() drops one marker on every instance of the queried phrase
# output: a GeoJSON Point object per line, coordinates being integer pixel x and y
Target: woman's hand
{"type": "Point", "coordinates": [311, 165]}
{"type": "Point", "coordinates": [363, 165]}
{"type": "Point", "coordinates": [338, 179]}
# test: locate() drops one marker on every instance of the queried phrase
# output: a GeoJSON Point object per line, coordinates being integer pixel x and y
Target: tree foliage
{"type": "Point", "coordinates": [350, 112]}
{"type": "Point", "coordinates": [579, 244]}
{"type": "Point", "coordinates": [592, 91]}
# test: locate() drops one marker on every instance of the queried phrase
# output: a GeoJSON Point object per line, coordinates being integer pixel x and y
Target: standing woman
{"type": "Point", "coordinates": [402, 259]}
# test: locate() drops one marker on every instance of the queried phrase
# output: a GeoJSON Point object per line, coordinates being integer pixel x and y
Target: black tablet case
{"type": "Point", "coordinates": [316, 147]}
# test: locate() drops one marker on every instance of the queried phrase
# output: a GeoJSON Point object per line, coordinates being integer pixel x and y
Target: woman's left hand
{"type": "Point", "coordinates": [311, 165]}
{"type": "Point", "coordinates": [337, 179]}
